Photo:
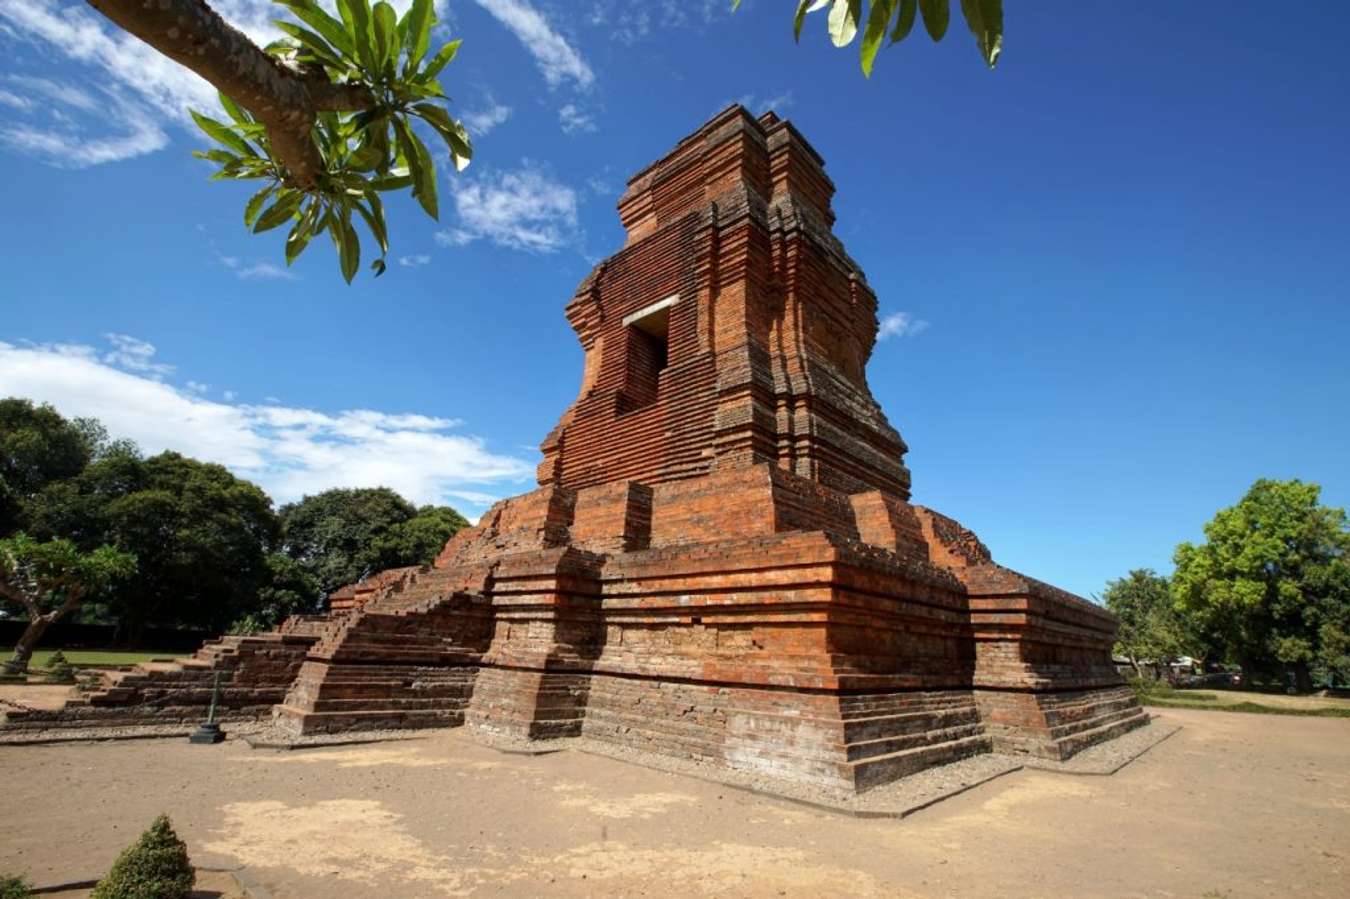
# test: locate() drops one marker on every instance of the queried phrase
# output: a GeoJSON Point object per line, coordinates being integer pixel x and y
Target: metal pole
{"type": "Point", "coordinates": [210, 731]}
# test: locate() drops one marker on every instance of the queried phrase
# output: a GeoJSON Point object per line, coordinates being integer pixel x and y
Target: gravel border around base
{"type": "Point", "coordinates": [898, 799]}
{"type": "Point", "coordinates": [1109, 757]}
{"type": "Point", "coordinates": [269, 737]}
{"type": "Point", "coordinates": [232, 730]}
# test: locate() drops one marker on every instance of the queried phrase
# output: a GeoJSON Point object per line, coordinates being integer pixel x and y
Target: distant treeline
{"type": "Point", "coordinates": [211, 552]}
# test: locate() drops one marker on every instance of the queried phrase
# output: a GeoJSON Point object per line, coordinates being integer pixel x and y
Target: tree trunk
{"type": "Point", "coordinates": [1302, 677]}
{"type": "Point", "coordinates": [23, 650]}
{"type": "Point", "coordinates": [284, 100]}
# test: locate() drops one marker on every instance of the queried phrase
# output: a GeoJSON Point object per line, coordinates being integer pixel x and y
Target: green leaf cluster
{"type": "Point", "coordinates": [895, 18]}
{"type": "Point", "coordinates": [340, 536]}
{"type": "Point", "coordinates": [156, 866]}
{"type": "Point", "coordinates": [38, 446]}
{"type": "Point", "coordinates": [50, 571]}
{"type": "Point", "coordinates": [1151, 629]}
{"type": "Point", "coordinates": [366, 153]}
{"type": "Point", "coordinates": [1271, 582]}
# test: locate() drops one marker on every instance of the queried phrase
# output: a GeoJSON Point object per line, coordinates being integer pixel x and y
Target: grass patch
{"type": "Point", "coordinates": [1254, 708]}
{"type": "Point", "coordinates": [1151, 689]}
{"type": "Point", "coordinates": [78, 657]}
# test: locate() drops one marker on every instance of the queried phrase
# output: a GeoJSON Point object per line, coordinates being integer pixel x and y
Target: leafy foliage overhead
{"type": "Point", "coordinates": [896, 18]}
{"type": "Point", "coordinates": [370, 149]}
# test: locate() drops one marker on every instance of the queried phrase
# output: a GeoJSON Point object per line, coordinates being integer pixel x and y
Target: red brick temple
{"type": "Point", "coordinates": [720, 561]}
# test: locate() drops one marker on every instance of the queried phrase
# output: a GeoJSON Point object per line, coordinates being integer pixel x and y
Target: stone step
{"type": "Point", "coordinates": [851, 706]}
{"type": "Point", "coordinates": [859, 729]}
{"type": "Point", "coordinates": [1092, 722]}
{"type": "Point", "coordinates": [1055, 716]}
{"type": "Point", "coordinates": [882, 769]}
{"type": "Point", "coordinates": [300, 721]}
{"type": "Point", "coordinates": [901, 742]}
{"type": "Point", "coordinates": [1074, 743]}
{"type": "Point", "coordinates": [390, 704]}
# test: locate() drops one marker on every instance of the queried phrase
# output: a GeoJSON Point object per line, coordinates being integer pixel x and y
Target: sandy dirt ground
{"type": "Point", "coordinates": [1232, 806]}
{"type": "Point", "coordinates": [37, 696]}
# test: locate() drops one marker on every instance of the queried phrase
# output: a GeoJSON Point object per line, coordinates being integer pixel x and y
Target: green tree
{"type": "Point", "coordinates": [37, 446]}
{"type": "Point", "coordinates": [339, 536]}
{"type": "Point", "coordinates": [1151, 628]}
{"type": "Point", "coordinates": [200, 535]}
{"type": "Point", "coordinates": [896, 18]}
{"type": "Point", "coordinates": [290, 590]}
{"type": "Point", "coordinates": [49, 580]}
{"type": "Point", "coordinates": [1272, 580]}
{"type": "Point", "coordinates": [324, 118]}
{"type": "Point", "coordinates": [420, 539]}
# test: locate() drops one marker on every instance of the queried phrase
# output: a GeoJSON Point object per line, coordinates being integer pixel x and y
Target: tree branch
{"type": "Point", "coordinates": [20, 597]}
{"type": "Point", "coordinates": [285, 101]}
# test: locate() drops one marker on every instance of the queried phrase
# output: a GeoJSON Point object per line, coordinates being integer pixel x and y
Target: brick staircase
{"type": "Point", "coordinates": [887, 736]}
{"type": "Point", "coordinates": [255, 673]}
{"type": "Point", "coordinates": [405, 659]}
{"type": "Point", "coordinates": [1058, 725]}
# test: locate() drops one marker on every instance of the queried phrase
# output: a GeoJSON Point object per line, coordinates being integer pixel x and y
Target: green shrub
{"type": "Point", "coordinates": [156, 866]}
{"type": "Point", "coordinates": [59, 671]}
{"type": "Point", "coordinates": [13, 886]}
{"type": "Point", "coordinates": [247, 626]}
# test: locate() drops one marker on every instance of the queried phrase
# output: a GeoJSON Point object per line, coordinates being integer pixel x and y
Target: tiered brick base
{"type": "Point", "coordinates": [804, 651]}
{"type": "Point", "coordinates": [255, 674]}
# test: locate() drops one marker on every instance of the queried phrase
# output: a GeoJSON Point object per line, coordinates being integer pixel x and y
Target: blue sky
{"type": "Point", "coordinates": [1115, 267]}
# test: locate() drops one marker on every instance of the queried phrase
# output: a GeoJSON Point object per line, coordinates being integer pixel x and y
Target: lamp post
{"type": "Point", "coordinates": [210, 731]}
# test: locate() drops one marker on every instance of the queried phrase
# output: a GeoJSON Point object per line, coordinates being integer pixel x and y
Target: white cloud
{"type": "Point", "coordinates": [198, 387]}
{"type": "Point", "coordinates": [758, 104]}
{"type": "Point", "coordinates": [573, 119]}
{"type": "Point", "coordinates": [481, 121]}
{"type": "Point", "coordinates": [255, 271]}
{"type": "Point", "coordinates": [558, 60]}
{"type": "Point", "coordinates": [14, 101]}
{"type": "Point", "coordinates": [522, 210]}
{"type": "Point", "coordinates": [266, 271]}
{"type": "Point", "coordinates": [229, 396]}
{"type": "Point", "coordinates": [900, 324]}
{"type": "Point", "coordinates": [289, 451]}
{"type": "Point", "coordinates": [629, 22]}
{"type": "Point", "coordinates": [65, 145]}
{"type": "Point", "coordinates": [134, 355]}
{"type": "Point", "coordinates": [414, 260]}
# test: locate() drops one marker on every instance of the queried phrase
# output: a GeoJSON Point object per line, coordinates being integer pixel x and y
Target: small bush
{"type": "Point", "coordinates": [14, 887]}
{"type": "Point", "coordinates": [59, 671]}
{"type": "Point", "coordinates": [156, 866]}
{"type": "Point", "coordinates": [247, 626]}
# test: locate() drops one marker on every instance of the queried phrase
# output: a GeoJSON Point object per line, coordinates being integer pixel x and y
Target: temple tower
{"type": "Point", "coordinates": [732, 329]}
